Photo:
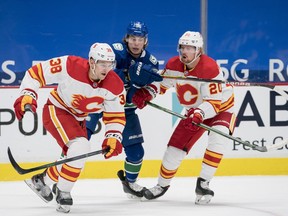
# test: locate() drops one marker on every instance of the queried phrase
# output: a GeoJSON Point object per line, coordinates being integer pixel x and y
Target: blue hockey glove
{"type": "Point", "coordinates": [143, 74]}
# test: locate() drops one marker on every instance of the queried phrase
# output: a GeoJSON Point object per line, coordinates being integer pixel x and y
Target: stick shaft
{"type": "Point", "coordinates": [206, 127]}
{"type": "Point", "coordinates": [22, 171]}
{"type": "Point", "coordinates": [239, 84]}
{"type": "Point", "coordinates": [276, 145]}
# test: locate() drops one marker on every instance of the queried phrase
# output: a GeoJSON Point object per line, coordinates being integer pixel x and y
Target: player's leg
{"type": "Point", "coordinates": [170, 163]}
{"type": "Point", "coordinates": [132, 142]}
{"type": "Point", "coordinates": [70, 172]}
{"type": "Point", "coordinates": [217, 146]}
{"type": "Point", "coordinates": [179, 145]}
{"type": "Point", "coordinates": [72, 137]}
{"type": "Point", "coordinates": [211, 160]}
{"type": "Point", "coordinates": [132, 166]}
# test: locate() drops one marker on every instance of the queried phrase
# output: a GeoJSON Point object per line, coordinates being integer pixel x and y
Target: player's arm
{"type": "Point", "coordinates": [211, 94]}
{"type": "Point", "coordinates": [45, 73]}
{"type": "Point", "coordinates": [149, 92]}
{"type": "Point", "coordinates": [142, 74]}
{"type": "Point", "coordinates": [114, 120]}
{"type": "Point", "coordinates": [145, 71]}
{"type": "Point", "coordinates": [35, 77]}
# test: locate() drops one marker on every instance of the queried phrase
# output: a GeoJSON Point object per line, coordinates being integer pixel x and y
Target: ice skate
{"type": "Point", "coordinates": [36, 183]}
{"type": "Point", "coordinates": [54, 188]}
{"type": "Point", "coordinates": [155, 192]}
{"type": "Point", "coordinates": [203, 193]}
{"type": "Point", "coordinates": [63, 199]}
{"type": "Point", "coordinates": [133, 190]}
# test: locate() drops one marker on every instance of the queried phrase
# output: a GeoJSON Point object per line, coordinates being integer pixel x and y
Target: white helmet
{"type": "Point", "coordinates": [102, 51]}
{"type": "Point", "coordinates": [191, 39]}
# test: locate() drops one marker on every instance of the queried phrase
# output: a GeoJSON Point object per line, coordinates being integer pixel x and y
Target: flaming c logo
{"type": "Point", "coordinates": [86, 104]}
{"type": "Point", "coordinates": [186, 94]}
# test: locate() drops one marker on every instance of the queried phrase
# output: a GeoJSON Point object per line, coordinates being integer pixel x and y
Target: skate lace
{"type": "Point", "coordinates": [134, 186]}
{"type": "Point", "coordinates": [64, 195]}
{"type": "Point", "coordinates": [205, 185]}
{"type": "Point", "coordinates": [45, 191]}
{"type": "Point", "coordinates": [156, 190]}
{"type": "Point", "coordinates": [38, 181]}
{"type": "Point", "coordinates": [41, 186]}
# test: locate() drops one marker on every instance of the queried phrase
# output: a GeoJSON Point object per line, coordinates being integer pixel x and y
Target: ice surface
{"type": "Point", "coordinates": [234, 196]}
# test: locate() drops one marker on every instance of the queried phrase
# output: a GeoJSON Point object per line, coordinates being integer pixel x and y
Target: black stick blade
{"type": "Point", "coordinates": [15, 164]}
{"type": "Point", "coordinates": [22, 171]}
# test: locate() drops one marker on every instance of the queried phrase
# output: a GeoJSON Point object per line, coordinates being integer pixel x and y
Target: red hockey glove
{"type": "Point", "coordinates": [28, 97]}
{"type": "Point", "coordinates": [112, 142]}
{"type": "Point", "coordinates": [194, 117]}
{"type": "Point", "coordinates": [143, 95]}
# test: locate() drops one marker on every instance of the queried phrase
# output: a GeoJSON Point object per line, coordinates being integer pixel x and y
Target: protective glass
{"type": "Point", "coordinates": [187, 49]}
{"type": "Point", "coordinates": [106, 65]}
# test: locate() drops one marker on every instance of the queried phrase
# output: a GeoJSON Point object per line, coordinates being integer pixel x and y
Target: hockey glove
{"type": "Point", "coordinates": [143, 95]}
{"type": "Point", "coordinates": [28, 97]}
{"type": "Point", "coordinates": [194, 117]}
{"type": "Point", "coordinates": [112, 142]}
{"type": "Point", "coordinates": [143, 74]}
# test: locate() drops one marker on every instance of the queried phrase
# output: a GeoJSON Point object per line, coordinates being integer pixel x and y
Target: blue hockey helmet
{"type": "Point", "coordinates": [137, 28]}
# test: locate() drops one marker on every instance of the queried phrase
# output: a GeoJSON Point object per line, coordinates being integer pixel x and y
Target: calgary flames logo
{"type": "Point", "coordinates": [85, 104]}
{"type": "Point", "coordinates": [186, 94]}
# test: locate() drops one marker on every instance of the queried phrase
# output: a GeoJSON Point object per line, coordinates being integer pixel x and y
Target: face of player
{"type": "Point", "coordinates": [187, 53]}
{"type": "Point", "coordinates": [99, 70]}
{"type": "Point", "coordinates": [136, 44]}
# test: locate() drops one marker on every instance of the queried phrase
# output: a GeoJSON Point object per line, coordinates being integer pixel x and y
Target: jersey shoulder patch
{"type": "Point", "coordinates": [118, 46]}
{"type": "Point", "coordinates": [153, 59]}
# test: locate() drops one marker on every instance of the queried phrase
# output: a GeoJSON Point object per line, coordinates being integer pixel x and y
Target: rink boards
{"type": "Point", "coordinates": [262, 120]}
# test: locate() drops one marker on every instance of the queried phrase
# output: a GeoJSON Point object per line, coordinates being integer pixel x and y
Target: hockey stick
{"type": "Point", "coordinates": [22, 171]}
{"type": "Point", "coordinates": [28, 108]}
{"type": "Point", "coordinates": [241, 84]}
{"type": "Point", "coordinates": [275, 146]}
{"type": "Point", "coordinates": [206, 127]}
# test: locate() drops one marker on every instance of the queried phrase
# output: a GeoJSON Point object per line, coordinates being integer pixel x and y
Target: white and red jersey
{"type": "Point", "coordinates": [211, 97]}
{"type": "Point", "coordinates": [76, 93]}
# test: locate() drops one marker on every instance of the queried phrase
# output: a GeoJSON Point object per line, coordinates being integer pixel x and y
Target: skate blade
{"type": "Point", "coordinates": [133, 197]}
{"type": "Point", "coordinates": [144, 199]}
{"type": "Point", "coordinates": [148, 195]}
{"type": "Point", "coordinates": [31, 185]}
{"type": "Point", "coordinates": [203, 199]}
{"type": "Point", "coordinates": [63, 208]}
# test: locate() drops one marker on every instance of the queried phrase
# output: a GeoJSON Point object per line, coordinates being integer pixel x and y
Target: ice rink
{"type": "Point", "coordinates": [234, 196]}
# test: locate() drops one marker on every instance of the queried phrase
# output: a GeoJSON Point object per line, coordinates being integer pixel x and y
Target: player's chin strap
{"type": "Point", "coordinates": [206, 127]}
{"type": "Point", "coordinates": [275, 88]}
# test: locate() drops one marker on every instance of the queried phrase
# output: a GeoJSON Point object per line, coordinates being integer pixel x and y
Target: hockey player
{"type": "Point", "coordinates": [208, 102]}
{"type": "Point", "coordinates": [137, 68]}
{"type": "Point", "coordinates": [82, 86]}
